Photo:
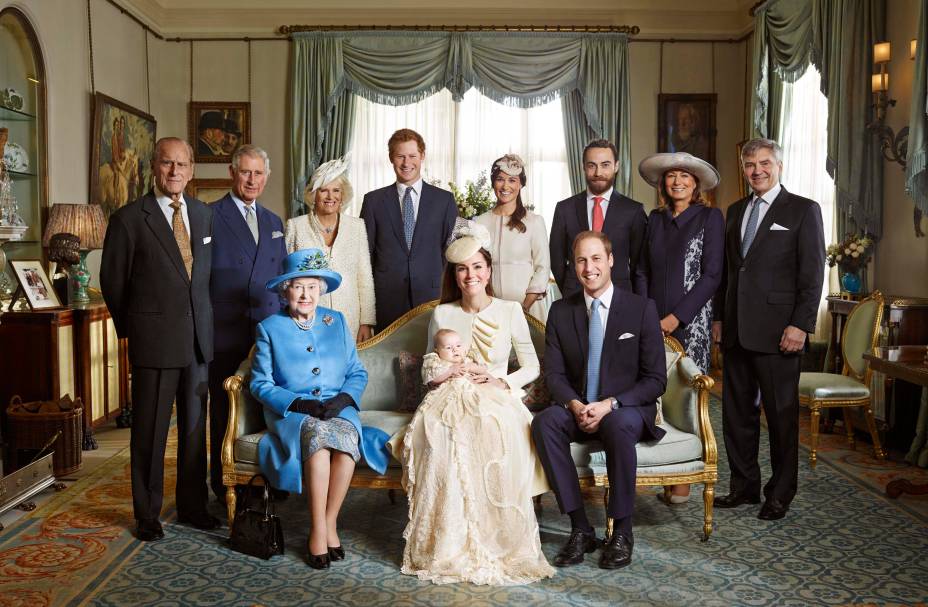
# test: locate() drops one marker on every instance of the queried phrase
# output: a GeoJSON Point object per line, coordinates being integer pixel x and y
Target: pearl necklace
{"type": "Point", "coordinates": [302, 325]}
{"type": "Point", "coordinates": [321, 227]}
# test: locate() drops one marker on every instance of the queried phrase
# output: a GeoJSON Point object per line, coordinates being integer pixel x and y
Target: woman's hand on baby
{"type": "Point", "coordinates": [486, 378]}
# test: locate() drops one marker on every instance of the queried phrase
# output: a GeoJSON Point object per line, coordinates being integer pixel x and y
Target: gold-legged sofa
{"type": "Point", "coordinates": [687, 454]}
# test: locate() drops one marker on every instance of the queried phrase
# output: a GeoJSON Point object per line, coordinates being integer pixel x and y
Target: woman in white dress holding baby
{"type": "Point", "coordinates": [470, 469]}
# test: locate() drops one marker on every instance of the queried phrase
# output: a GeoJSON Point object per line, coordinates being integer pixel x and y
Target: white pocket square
{"type": "Point", "coordinates": [277, 234]}
{"type": "Point", "coordinates": [626, 336]}
{"type": "Point", "coordinates": [777, 226]}
{"type": "Point", "coordinates": [207, 239]}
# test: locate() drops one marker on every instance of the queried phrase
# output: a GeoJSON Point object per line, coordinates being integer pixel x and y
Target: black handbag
{"type": "Point", "coordinates": [257, 531]}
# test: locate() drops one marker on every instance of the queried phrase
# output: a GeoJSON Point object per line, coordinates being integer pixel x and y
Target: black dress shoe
{"type": "Point", "coordinates": [772, 510]}
{"type": "Point", "coordinates": [318, 561]}
{"type": "Point", "coordinates": [617, 552]}
{"type": "Point", "coordinates": [337, 553]}
{"type": "Point", "coordinates": [149, 530]}
{"type": "Point", "coordinates": [579, 544]}
{"type": "Point", "coordinates": [735, 499]}
{"type": "Point", "coordinates": [200, 520]}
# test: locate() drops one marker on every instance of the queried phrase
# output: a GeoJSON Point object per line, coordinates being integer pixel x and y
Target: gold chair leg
{"type": "Point", "coordinates": [707, 497]}
{"type": "Point", "coordinates": [874, 435]}
{"type": "Point", "coordinates": [230, 504]}
{"type": "Point", "coordinates": [849, 427]}
{"type": "Point", "coordinates": [813, 430]}
{"type": "Point", "coordinates": [609, 521]}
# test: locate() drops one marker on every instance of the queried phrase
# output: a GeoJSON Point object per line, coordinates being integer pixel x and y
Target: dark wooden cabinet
{"type": "Point", "coordinates": [45, 354]}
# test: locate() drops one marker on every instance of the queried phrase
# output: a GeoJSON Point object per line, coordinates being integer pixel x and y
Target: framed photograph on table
{"type": "Point", "coordinates": [122, 141]}
{"type": "Point", "coordinates": [34, 284]}
{"type": "Point", "coordinates": [216, 128]}
{"type": "Point", "coordinates": [208, 190]}
{"type": "Point", "coordinates": [686, 123]}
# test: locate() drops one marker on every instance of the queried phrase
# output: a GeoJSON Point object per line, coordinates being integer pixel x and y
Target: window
{"type": "Point", "coordinates": [463, 139]}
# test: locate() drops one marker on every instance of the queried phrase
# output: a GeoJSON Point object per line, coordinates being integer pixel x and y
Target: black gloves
{"type": "Point", "coordinates": [334, 405]}
{"type": "Point", "coordinates": [309, 407]}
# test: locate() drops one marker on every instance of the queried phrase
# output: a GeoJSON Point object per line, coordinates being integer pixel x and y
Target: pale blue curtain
{"type": "Point", "coordinates": [916, 172]}
{"type": "Point", "coordinates": [576, 134]}
{"type": "Point", "coordinates": [524, 69]}
{"type": "Point", "coordinates": [836, 36]}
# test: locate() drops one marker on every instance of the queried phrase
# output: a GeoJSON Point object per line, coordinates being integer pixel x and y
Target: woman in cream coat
{"type": "Point", "coordinates": [518, 240]}
{"type": "Point", "coordinates": [343, 239]}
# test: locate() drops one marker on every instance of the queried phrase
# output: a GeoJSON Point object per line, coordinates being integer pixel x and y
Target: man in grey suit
{"type": "Point", "coordinates": [767, 302]}
{"type": "Point", "coordinates": [408, 224]}
{"type": "Point", "coordinates": [155, 280]}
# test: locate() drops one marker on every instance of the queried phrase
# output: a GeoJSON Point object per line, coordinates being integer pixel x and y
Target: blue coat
{"type": "Point", "coordinates": [240, 270]}
{"type": "Point", "coordinates": [290, 363]}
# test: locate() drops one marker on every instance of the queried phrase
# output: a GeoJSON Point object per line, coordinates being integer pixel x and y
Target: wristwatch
{"type": "Point", "coordinates": [614, 402]}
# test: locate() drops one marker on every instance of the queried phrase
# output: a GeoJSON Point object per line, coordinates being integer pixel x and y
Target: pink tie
{"type": "Point", "coordinates": [598, 213]}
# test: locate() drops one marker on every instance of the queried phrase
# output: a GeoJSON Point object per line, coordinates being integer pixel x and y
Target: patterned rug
{"type": "Point", "coordinates": [842, 543]}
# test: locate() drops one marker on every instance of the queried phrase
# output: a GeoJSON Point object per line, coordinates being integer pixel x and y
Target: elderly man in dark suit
{"type": "Point", "coordinates": [408, 225]}
{"type": "Point", "coordinates": [155, 280]}
{"type": "Point", "coordinates": [248, 250]}
{"type": "Point", "coordinates": [604, 366]}
{"type": "Point", "coordinates": [601, 209]}
{"type": "Point", "coordinates": [768, 301]}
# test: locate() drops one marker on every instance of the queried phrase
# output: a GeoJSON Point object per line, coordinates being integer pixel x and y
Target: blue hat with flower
{"type": "Point", "coordinates": [307, 263]}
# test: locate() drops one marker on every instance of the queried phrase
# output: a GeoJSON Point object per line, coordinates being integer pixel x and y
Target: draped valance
{"type": "Point", "coordinates": [524, 69]}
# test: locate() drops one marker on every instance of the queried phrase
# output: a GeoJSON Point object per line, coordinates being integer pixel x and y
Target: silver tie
{"type": "Point", "coordinates": [252, 221]}
{"type": "Point", "coordinates": [750, 230]}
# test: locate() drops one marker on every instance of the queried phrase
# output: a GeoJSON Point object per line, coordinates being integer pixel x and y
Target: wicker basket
{"type": "Point", "coordinates": [33, 424]}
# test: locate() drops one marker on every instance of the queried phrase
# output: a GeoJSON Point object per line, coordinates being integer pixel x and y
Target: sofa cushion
{"type": "Point", "coordinates": [676, 447]}
{"type": "Point", "coordinates": [536, 395]}
{"type": "Point", "coordinates": [671, 359]}
{"type": "Point", "coordinates": [409, 387]}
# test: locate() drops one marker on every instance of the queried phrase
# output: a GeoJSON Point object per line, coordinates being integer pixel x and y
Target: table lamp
{"type": "Point", "coordinates": [86, 221]}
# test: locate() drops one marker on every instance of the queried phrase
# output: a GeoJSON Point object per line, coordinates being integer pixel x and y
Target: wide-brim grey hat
{"type": "Point", "coordinates": [653, 167]}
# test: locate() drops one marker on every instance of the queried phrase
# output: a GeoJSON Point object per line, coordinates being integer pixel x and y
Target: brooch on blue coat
{"type": "Point", "coordinates": [328, 320]}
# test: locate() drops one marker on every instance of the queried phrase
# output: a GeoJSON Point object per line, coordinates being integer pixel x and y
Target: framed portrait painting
{"type": "Point", "coordinates": [122, 141]}
{"type": "Point", "coordinates": [216, 128]}
{"type": "Point", "coordinates": [35, 284]}
{"type": "Point", "coordinates": [686, 123]}
{"type": "Point", "coordinates": [208, 190]}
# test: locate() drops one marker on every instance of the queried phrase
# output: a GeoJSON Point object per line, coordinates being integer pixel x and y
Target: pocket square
{"type": "Point", "coordinates": [207, 239]}
{"type": "Point", "coordinates": [277, 234]}
{"type": "Point", "coordinates": [778, 227]}
{"type": "Point", "coordinates": [626, 336]}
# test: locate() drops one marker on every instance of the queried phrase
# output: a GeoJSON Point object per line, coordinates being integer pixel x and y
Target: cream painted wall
{"type": "Point", "coordinates": [901, 263]}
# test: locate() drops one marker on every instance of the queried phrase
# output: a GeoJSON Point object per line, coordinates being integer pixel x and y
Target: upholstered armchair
{"type": "Point", "coordinates": [687, 454]}
{"type": "Point", "coordinates": [850, 388]}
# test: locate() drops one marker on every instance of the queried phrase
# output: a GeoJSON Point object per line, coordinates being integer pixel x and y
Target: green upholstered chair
{"type": "Point", "coordinates": [687, 454]}
{"type": "Point", "coordinates": [850, 388]}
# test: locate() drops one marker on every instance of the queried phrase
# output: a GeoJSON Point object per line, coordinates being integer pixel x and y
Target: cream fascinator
{"type": "Point", "coordinates": [653, 167]}
{"type": "Point", "coordinates": [467, 238]}
{"type": "Point", "coordinates": [510, 164]}
{"type": "Point", "coordinates": [329, 172]}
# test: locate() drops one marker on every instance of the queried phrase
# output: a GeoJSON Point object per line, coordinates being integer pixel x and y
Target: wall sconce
{"type": "Point", "coordinates": [894, 146]}
{"type": "Point", "coordinates": [913, 47]}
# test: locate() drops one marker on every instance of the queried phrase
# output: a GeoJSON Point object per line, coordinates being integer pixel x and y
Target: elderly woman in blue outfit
{"type": "Point", "coordinates": [307, 374]}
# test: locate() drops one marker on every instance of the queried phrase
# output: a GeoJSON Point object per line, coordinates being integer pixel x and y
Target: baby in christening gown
{"type": "Point", "coordinates": [449, 361]}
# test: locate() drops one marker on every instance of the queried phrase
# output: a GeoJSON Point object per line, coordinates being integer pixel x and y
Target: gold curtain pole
{"type": "Point", "coordinates": [615, 29]}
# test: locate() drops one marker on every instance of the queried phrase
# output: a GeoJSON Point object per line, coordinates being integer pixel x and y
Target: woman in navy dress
{"type": "Point", "coordinates": [682, 264]}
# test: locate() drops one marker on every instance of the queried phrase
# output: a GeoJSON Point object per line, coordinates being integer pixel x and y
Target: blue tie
{"type": "Point", "coordinates": [596, 350]}
{"type": "Point", "coordinates": [409, 217]}
{"type": "Point", "coordinates": [750, 230]}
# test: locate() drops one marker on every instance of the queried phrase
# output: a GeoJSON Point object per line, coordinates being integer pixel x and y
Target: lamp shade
{"type": "Point", "coordinates": [913, 48]}
{"type": "Point", "coordinates": [85, 221]}
{"type": "Point", "coordinates": [879, 82]}
{"type": "Point", "coordinates": [882, 52]}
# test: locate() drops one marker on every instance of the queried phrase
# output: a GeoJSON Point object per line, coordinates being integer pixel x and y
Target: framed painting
{"type": "Point", "coordinates": [216, 128]}
{"type": "Point", "coordinates": [686, 123]}
{"type": "Point", "coordinates": [208, 190]}
{"type": "Point", "coordinates": [34, 283]}
{"type": "Point", "coordinates": [122, 142]}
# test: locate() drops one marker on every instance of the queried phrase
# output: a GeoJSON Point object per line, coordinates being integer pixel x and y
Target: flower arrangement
{"type": "Point", "coordinates": [475, 198]}
{"type": "Point", "coordinates": [850, 255]}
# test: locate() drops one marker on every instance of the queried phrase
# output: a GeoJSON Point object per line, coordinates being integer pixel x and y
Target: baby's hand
{"type": "Point", "coordinates": [475, 368]}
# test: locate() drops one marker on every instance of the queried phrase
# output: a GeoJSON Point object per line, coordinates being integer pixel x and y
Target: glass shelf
{"type": "Point", "coordinates": [7, 113]}
{"type": "Point", "coordinates": [16, 175]}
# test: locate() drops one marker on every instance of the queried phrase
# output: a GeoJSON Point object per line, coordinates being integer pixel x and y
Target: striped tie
{"type": "Point", "coordinates": [750, 230]}
{"type": "Point", "coordinates": [409, 217]}
{"type": "Point", "coordinates": [182, 237]}
{"type": "Point", "coordinates": [596, 350]}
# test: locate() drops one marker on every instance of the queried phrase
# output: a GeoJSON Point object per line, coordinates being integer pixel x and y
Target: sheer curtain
{"type": "Point", "coordinates": [804, 137]}
{"type": "Point", "coordinates": [462, 139]}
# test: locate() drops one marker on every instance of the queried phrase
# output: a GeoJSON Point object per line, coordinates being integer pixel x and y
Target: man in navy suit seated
{"type": "Point", "coordinates": [248, 250]}
{"type": "Point", "coordinates": [604, 366]}
{"type": "Point", "coordinates": [408, 225]}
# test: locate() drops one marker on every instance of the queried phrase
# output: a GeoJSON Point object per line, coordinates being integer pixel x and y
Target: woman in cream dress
{"type": "Point", "coordinates": [469, 467]}
{"type": "Point", "coordinates": [343, 239]}
{"type": "Point", "coordinates": [518, 240]}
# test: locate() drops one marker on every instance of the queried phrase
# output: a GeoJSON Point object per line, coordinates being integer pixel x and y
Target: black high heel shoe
{"type": "Point", "coordinates": [337, 553]}
{"type": "Point", "coordinates": [318, 561]}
